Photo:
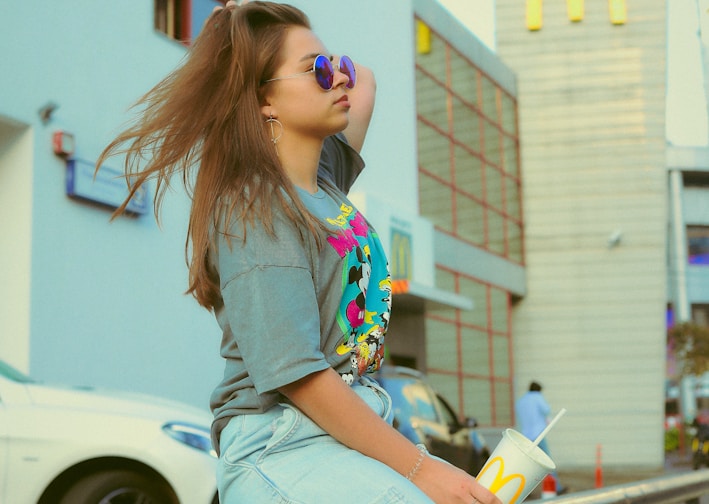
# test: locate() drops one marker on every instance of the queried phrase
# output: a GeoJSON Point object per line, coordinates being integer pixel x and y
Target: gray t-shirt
{"type": "Point", "coordinates": [290, 309]}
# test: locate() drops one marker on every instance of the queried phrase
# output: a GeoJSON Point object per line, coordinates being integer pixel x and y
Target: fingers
{"type": "Point", "coordinates": [229, 4]}
{"type": "Point", "coordinates": [483, 496]}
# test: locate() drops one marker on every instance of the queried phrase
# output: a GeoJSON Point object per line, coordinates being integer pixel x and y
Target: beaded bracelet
{"type": "Point", "coordinates": [422, 455]}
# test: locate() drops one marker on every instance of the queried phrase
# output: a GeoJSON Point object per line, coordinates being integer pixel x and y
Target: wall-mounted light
{"type": "Point", "coordinates": [614, 238]}
{"type": "Point", "coordinates": [423, 37]}
{"type": "Point", "coordinates": [63, 143]}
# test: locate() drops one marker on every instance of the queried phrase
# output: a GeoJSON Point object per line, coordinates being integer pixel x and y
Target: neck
{"type": "Point", "coordinates": [299, 158]}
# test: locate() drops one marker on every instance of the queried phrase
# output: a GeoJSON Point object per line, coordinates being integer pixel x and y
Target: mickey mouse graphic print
{"type": "Point", "coordinates": [363, 316]}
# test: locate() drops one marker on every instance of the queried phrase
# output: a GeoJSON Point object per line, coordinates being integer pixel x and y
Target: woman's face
{"type": "Point", "coordinates": [304, 108]}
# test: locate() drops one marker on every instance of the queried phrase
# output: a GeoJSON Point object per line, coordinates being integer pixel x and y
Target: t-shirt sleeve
{"type": "Point", "coordinates": [271, 306]}
{"type": "Point", "coordinates": [340, 164]}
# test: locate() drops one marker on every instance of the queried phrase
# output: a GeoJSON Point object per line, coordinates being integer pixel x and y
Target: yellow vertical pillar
{"type": "Point", "coordinates": [617, 11]}
{"type": "Point", "coordinates": [574, 9]}
{"type": "Point", "coordinates": [534, 15]}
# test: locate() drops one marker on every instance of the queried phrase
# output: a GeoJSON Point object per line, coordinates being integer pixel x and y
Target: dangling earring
{"type": "Point", "coordinates": [275, 138]}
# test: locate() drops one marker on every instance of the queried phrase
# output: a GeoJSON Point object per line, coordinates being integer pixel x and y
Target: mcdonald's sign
{"type": "Point", "coordinates": [400, 255]}
{"type": "Point", "coordinates": [500, 480]}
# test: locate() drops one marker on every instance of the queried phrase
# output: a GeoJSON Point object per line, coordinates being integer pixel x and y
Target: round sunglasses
{"type": "Point", "coordinates": [325, 72]}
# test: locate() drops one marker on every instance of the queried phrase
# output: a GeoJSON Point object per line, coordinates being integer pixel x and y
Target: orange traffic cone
{"type": "Point", "coordinates": [548, 487]}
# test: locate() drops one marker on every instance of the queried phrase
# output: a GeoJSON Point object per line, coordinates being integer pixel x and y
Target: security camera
{"type": "Point", "coordinates": [614, 238]}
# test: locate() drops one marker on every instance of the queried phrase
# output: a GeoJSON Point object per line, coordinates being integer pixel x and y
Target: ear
{"type": "Point", "coordinates": [266, 106]}
{"type": "Point", "coordinates": [268, 111]}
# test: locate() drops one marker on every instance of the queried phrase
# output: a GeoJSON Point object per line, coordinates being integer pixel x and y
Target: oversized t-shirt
{"type": "Point", "coordinates": [291, 309]}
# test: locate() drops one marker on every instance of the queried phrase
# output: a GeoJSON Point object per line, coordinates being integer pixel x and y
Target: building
{"type": "Point", "coordinates": [521, 244]}
{"type": "Point", "coordinates": [613, 132]}
{"type": "Point", "coordinates": [88, 300]}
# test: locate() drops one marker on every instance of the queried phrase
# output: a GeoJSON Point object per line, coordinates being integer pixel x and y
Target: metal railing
{"type": "Point", "coordinates": [682, 487]}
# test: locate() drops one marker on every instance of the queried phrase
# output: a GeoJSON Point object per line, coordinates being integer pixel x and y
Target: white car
{"type": "Point", "coordinates": [61, 445]}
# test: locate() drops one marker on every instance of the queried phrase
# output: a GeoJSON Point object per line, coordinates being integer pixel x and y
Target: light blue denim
{"type": "Point", "coordinates": [281, 456]}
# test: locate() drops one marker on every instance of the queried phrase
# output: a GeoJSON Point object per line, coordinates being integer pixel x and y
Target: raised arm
{"type": "Point", "coordinates": [362, 100]}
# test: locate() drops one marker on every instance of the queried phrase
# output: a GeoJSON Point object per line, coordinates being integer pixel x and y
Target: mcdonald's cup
{"type": "Point", "coordinates": [515, 468]}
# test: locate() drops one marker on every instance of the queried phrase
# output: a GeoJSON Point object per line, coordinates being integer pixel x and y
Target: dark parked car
{"type": "Point", "coordinates": [424, 416]}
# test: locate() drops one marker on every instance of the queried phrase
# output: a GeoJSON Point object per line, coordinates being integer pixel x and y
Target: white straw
{"type": "Point", "coordinates": [548, 427]}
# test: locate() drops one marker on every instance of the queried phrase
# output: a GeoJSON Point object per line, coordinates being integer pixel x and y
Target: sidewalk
{"type": "Point", "coordinates": [585, 479]}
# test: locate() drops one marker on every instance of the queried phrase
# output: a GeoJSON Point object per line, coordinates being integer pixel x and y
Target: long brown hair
{"type": "Point", "coordinates": [206, 114]}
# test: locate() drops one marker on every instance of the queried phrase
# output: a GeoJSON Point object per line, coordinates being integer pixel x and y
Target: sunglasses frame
{"type": "Point", "coordinates": [328, 64]}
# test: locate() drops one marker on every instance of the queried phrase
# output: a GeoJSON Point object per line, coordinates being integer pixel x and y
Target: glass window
{"type": "Point", "coordinates": [433, 152]}
{"type": "Point", "coordinates": [418, 396]}
{"type": "Point", "coordinates": [494, 185]}
{"type": "Point", "coordinates": [512, 195]}
{"type": "Point", "coordinates": [479, 402]}
{"type": "Point", "coordinates": [464, 78]}
{"type": "Point", "coordinates": [514, 241]}
{"type": "Point", "coordinates": [469, 187]}
{"type": "Point", "coordinates": [477, 291]}
{"type": "Point", "coordinates": [435, 202]}
{"type": "Point", "coordinates": [470, 219]}
{"type": "Point", "coordinates": [468, 172]}
{"type": "Point", "coordinates": [489, 98]}
{"type": "Point", "coordinates": [509, 157]}
{"type": "Point", "coordinates": [500, 309]}
{"type": "Point", "coordinates": [430, 95]}
{"type": "Point", "coordinates": [468, 151]}
{"type": "Point", "coordinates": [466, 125]}
{"type": "Point", "coordinates": [441, 344]}
{"type": "Point", "coordinates": [493, 144]}
{"type": "Point", "coordinates": [448, 416]}
{"type": "Point", "coordinates": [501, 356]}
{"type": "Point", "coordinates": [477, 376]}
{"type": "Point", "coordinates": [172, 18]}
{"type": "Point", "coordinates": [474, 351]}
{"type": "Point", "coordinates": [496, 232]}
{"type": "Point", "coordinates": [698, 244]}
{"type": "Point", "coordinates": [509, 115]}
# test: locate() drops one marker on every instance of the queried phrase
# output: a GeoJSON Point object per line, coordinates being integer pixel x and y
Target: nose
{"type": "Point", "coordinates": [340, 78]}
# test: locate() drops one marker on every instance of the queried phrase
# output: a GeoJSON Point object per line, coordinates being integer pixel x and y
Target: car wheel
{"type": "Point", "coordinates": [117, 487]}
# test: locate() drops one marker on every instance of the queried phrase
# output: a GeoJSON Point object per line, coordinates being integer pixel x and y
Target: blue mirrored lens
{"type": "Point", "coordinates": [347, 67]}
{"type": "Point", "coordinates": [324, 72]}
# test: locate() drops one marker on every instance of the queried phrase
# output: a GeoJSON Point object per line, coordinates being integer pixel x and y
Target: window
{"type": "Point", "coordinates": [698, 245]}
{"type": "Point", "coordinates": [468, 151]}
{"type": "Point", "coordinates": [469, 187]}
{"type": "Point", "coordinates": [469, 353]}
{"type": "Point", "coordinates": [172, 17]}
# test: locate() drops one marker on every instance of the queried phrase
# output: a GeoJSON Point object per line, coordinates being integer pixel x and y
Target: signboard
{"type": "Point", "coordinates": [401, 253]}
{"type": "Point", "coordinates": [108, 187]}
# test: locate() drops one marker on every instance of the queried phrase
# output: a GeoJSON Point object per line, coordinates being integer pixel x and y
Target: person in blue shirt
{"type": "Point", "coordinates": [533, 412]}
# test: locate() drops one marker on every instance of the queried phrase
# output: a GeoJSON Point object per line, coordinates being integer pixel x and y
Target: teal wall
{"type": "Point", "coordinates": [104, 299]}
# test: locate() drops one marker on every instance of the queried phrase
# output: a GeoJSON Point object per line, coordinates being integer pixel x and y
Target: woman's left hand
{"type": "Point", "coordinates": [230, 3]}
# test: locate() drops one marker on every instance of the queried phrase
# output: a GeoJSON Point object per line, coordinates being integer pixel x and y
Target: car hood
{"type": "Point", "coordinates": [115, 402]}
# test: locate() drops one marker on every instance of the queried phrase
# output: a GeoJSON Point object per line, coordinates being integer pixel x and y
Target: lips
{"type": "Point", "coordinates": [343, 100]}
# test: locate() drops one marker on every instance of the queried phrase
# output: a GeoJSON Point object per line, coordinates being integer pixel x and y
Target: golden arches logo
{"type": "Point", "coordinates": [400, 255]}
{"type": "Point", "coordinates": [501, 480]}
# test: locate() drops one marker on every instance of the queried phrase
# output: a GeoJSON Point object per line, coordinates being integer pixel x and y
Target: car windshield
{"type": "Point", "coordinates": [448, 416]}
{"type": "Point", "coordinates": [13, 374]}
{"type": "Point", "coordinates": [411, 399]}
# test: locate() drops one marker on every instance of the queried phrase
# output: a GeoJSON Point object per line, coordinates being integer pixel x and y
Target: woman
{"type": "Point", "coordinates": [296, 277]}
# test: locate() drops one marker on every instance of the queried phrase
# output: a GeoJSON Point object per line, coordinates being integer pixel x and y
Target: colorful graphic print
{"type": "Point", "coordinates": [366, 292]}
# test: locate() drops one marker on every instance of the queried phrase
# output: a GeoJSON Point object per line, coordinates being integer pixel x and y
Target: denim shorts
{"type": "Point", "coordinates": [281, 456]}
